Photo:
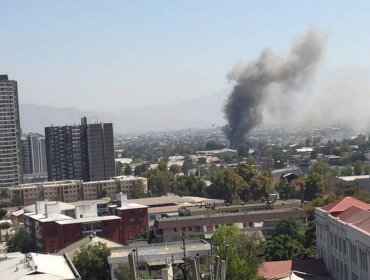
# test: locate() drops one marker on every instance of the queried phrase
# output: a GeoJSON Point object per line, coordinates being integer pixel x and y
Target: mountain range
{"type": "Point", "coordinates": [201, 112]}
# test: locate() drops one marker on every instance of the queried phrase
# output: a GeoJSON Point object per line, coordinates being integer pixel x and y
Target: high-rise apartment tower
{"type": "Point", "coordinates": [10, 134]}
{"type": "Point", "coordinates": [80, 152]}
{"type": "Point", "coordinates": [34, 154]}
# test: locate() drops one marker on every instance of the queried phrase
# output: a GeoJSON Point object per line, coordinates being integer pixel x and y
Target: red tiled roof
{"type": "Point", "coordinates": [353, 215]}
{"type": "Point", "coordinates": [364, 225]}
{"type": "Point", "coordinates": [271, 270]}
{"type": "Point", "coordinates": [344, 204]}
{"type": "Point", "coordinates": [280, 269]}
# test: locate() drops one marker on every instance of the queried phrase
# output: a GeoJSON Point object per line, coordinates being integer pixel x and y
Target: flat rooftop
{"type": "Point", "coordinates": [63, 206]}
{"type": "Point", "coordinates": [87, 220]}
{"type": "Point", "coordinates": [163, 249]}
{"type": "Point", "coordinates": [89, 240]}
{"type": "Point", "coordinates": [172, 200]}
{"type": "Point", "coordinates": [42, 217]}
{"type": "Point", "coordinates": [292, 202]}
{"type": "Point", "coordinates": [353, 178]}
{"type": "Point", "coordinates": [14, 266]}
{"type": "Point", "coordinates": [103, 200]}
{"type": "Point", "coordinates": [229, 218]}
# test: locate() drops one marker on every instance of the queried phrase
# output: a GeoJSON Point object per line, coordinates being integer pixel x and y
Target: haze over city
{"type": "Point", "coordinates": [185, 140]}
{"type": "Point", "coordinates": [102, 58]}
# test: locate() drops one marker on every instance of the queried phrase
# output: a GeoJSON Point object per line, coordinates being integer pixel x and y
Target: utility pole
{"type": "Point", "coordinates": [131, 263]}
{"type": "Point", "coordinates": [194, 269]}
{"type": "Point", "coordinates": [185, 269]}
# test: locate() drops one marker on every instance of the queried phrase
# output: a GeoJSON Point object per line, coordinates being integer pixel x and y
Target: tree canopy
{"type": "Point", "coordinates": [19, 242]}
{"type": "Point", "coordinates": [242, 249]}
{"type": "Point", "coordinates": [91, 261]}
{"type": "Point", "coordinates": [290, 241]}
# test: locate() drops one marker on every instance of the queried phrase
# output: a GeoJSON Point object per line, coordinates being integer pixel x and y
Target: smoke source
{"type": "Point", "coordinates": [263, 83]}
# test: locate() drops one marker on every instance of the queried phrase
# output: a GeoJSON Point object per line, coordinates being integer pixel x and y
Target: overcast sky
{"type": "Point", "coordinates": [108, 55]}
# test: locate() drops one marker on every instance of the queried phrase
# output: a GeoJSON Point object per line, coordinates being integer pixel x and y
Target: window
{"type": "Point", "coordinates": [344, 246]}
{"type": "Point", "coordinates": [363, 260]}
{"type": "Point", "coordinates": [197, 228]}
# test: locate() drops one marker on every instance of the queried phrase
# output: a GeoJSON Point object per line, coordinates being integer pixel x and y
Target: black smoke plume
{"type": "Point", "coordinates": [270, 77]}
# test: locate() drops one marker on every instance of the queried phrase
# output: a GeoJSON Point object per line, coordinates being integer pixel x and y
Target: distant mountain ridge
{"type": "Point", "coordinates": [202, 112]}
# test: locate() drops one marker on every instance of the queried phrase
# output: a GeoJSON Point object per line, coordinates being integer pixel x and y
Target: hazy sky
{"type": "Point", "coordinates": [107, 55]}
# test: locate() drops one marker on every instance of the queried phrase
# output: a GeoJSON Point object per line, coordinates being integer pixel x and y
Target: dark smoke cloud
{"type": "Point", "coordinates": [269, 78]}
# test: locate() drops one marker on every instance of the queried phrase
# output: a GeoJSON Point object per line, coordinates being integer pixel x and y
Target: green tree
{"type": "Point", "coordinates": [187, 165]}
{"type": "Point", "coordinates": [159, 182]}
{"type": "Point", "coordinates": [91, 261]}
{"type": "Point", "coordinates": [313, 186]}
{"type": "Point", "coordinates": [291, 227]}
{"type": "Point", "coordinates": [242, 251]}
{"type": "Point", "coordinates": [127, 170]}
{"type": "Point", "coordinates": [122, 272]}
{"type": "Point", "coordinates": [291, 240]}
{"type": "Point", "coordinates": [366, 169]}
{"type": "Point", "coordinates": [358, 167]}
{"type": "Point", "coordinates": [140, 169]}
{"type": "Point", "coordinates": [16, 200]}
{"type": "Point", "coordinates": [283, 247]}
{"type": "Point", "coordinates": [139, 191]}
{"type": "Point", "coordinates": [346, 171]}
{"type": "Point", "coordinates": [213, 145]}
{"type": "Point", "coordinates": [19, 242]}
{"type": "Point", "coordinates": [189, 185]}
{"type": "Point", "coordinates": [226, 184]}
{"type": "Point", "coordinates": [3, 212]}
{"type": "Point", "coordinates": [260, 186]}
{"type": "Point", "coordinates": [175, 169]}
{"type": "Point", "coordinates": [257, 185]}
{"type": "Point", "coordinates": [162, 165]}
{"type": "Point", "coordinates": [321, 167]}
{"type": "Point", "coordinates": [119, 167]}
{"type": "Point", "coordinates": [284, 189]}
{"type": "Point", "coordinates": [243, 151]}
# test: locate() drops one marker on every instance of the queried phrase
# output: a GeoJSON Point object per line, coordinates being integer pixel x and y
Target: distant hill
{"type": "Point", "coordinates": [202, 112]}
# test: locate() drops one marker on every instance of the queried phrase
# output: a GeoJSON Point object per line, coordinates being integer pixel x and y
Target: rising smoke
{"type": "Point", "coordinates": [269, 78]}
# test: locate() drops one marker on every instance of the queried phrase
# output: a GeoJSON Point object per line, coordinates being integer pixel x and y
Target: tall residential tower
{"type": "Point", "coordinates": [34, 154]}
{"type": "Point", "coordinates": [10, 134]}
{"type": "Point", "coordinates": [80, 152]}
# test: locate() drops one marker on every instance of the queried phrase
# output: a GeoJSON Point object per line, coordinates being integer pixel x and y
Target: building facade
{"type": "Point", "coordinates": [51, 231]}
{"type": "Point", "coordinates": [76, 190]}
{"type": "Point", "coordinates": [199, 226]}
{"type": "Point", "coordinates": [10, 134]}
{"type": "Point", "coordinates": [34, 154]}
{"type": "Point", "coordinates": [343, 238]}
{"type": "Point", "coordinates": [81, 152]}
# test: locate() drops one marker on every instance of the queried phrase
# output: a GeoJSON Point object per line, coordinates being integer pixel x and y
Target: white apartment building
{"type": "Point", "coordinates": [343, 238]}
